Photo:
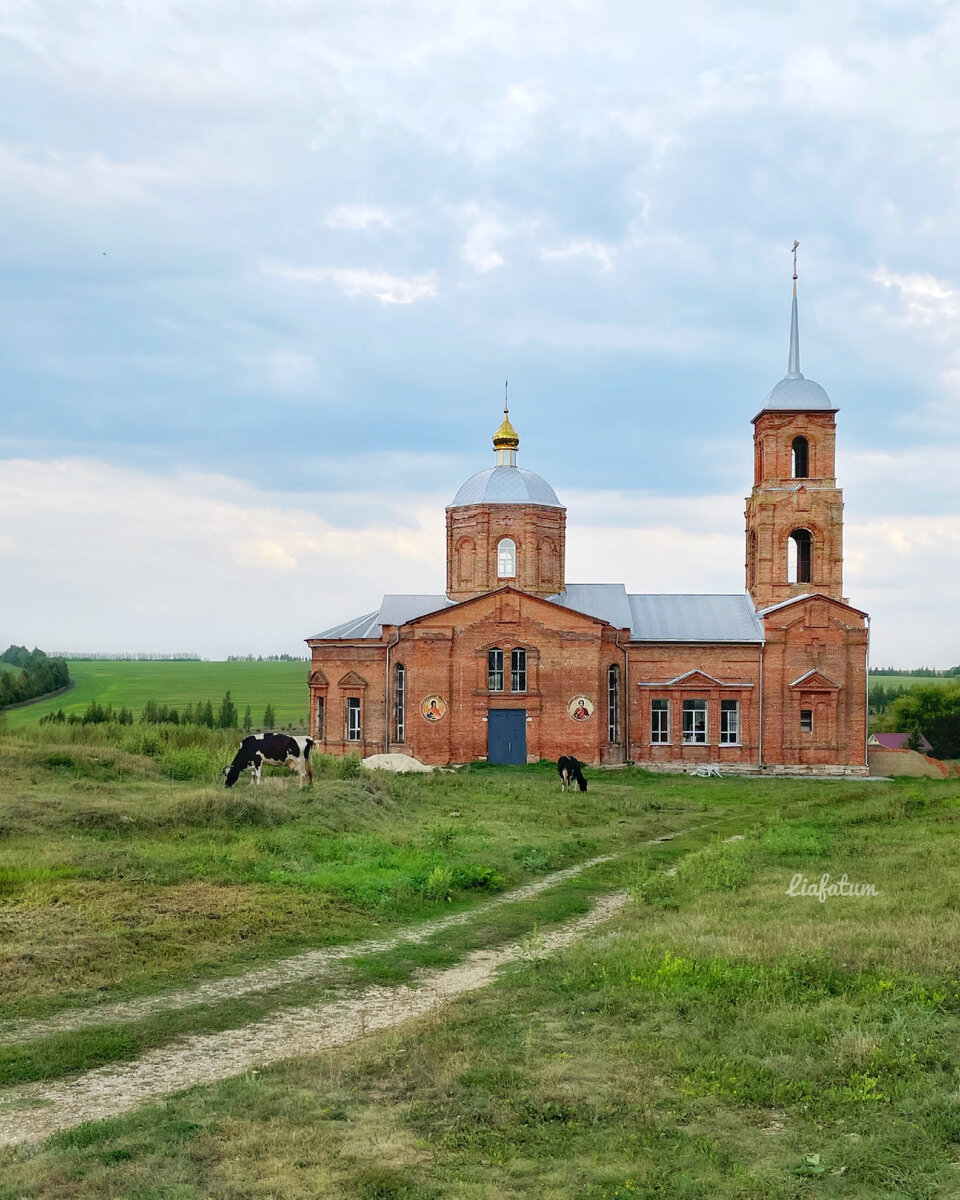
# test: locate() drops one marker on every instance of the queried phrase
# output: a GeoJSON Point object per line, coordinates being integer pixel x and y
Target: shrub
{"type": "Point", "coordinates": [192, 762]}
{"type": "Point", "coordinates": [438, 884]}
{"type": "Point", "coordinates": [350, 766]}
{"type": "Point", "coordinates": [485, 878]}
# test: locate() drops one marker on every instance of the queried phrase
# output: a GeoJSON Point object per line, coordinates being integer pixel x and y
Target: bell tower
{"type": "Point", "coordinates": [794, 514]}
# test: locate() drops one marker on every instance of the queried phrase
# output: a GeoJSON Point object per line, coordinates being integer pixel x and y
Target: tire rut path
{"type": "Point", "coordinates": [36, 1111]}
{"type": "Point", "coordinates": [295, 969]}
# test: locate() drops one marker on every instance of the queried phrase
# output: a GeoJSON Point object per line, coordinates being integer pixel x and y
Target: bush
{"type": "Point", "coordinates": [350, 766]}
{"type": "Point", "coordinates": [192, 762]}
{"type": "Point", "coordinates": [438, 884]}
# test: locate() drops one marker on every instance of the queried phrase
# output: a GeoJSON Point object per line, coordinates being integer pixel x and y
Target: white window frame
{"type": "Point", "coordinates": [354, 725]}
{"type": "Point", "coordinates": [399, 703]}
{"type": "Point", "coordinates": [495, 672]}
{"type": "Point", "coordinates": [518, 670]}
{"type": "Point", "coordinates": [729, 730]}
{"type": "Point", "coordinates": [695, 729]}
{"type": "Point", "coordinates": [506, 558]}
{"type": "Point", "coordinates": [662, 727]}
{"type": "Point", "coordinates": [613, 704]}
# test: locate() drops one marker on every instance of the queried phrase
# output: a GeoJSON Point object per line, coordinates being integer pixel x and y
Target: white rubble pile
{"type": "Point", "coordinates": [395, 762]}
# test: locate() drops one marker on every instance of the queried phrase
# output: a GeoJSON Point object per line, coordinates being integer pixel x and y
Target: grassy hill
{"type": "Point", "coordinates": [282, 684]}
{"type": "Point", "coordinates": [907, 681]}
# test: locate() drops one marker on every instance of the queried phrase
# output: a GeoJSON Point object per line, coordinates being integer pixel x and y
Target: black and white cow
{"type": "Point", "coordinates": [571, 771]}
{"type": "Point", "coordinates": [274, 749]}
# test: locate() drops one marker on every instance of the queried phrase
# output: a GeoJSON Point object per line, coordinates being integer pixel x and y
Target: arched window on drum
{"type": "Point", "coordinates": [506, 559]}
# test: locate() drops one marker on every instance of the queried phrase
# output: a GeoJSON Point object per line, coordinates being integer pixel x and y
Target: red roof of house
{"type": "Point", "coordinates": [898, 741]}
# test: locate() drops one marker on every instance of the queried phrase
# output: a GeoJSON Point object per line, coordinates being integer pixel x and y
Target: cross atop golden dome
{"type": "Point", "coordinates": [506, 437]}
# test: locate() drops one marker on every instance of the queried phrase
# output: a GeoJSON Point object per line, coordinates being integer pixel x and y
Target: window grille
{"type": "Point", "coordinates": [660, 721]}
{"type": "Point", "coordinates": [613, 703]}
{"type": "Point", "coordinates": [729, 722]}
{"type": "Point", "coordinates": [399, 702]}
{"type": "Point", "coordinates": [495, 670]}
{"type": "Point", "coordinates": [518, 670]}
{"type": "Point", "coordinates": [353, 719]}
{"type": "Point", "coordinates": [695, 722]}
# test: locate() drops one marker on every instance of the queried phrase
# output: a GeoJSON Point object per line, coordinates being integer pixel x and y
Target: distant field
{"type": "Point", "coordinates": [282, 684]}
{"type": "Point", "coordinates": [909, 681]}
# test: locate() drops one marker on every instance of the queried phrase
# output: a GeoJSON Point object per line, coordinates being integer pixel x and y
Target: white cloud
{"type": "Point", "coordinates": [925, 301]}
{"type": "Point", "coordinates": [358, 216]}
{"type": "Point", "coordinates": [478, 249]}
{"type": "Point", "coordinates": [109, 558]}
{"type": "Point", "coordinates": [358, 281]}
{"type": "Point", "coordinates": [584, 248]}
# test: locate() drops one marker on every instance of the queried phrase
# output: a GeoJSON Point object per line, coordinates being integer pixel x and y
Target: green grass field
{"type": "Point", "coordinates": [132, 684]}
{"type": "Point", "coordinates": [721, 1040]}
{"type": "Point", "coordinates": [907, 681]}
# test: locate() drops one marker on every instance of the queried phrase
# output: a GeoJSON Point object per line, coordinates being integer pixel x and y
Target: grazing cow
{"type": "Point", "coordinates": [274, 749]}
{"type": "Point", "coordinates": [571, 771]}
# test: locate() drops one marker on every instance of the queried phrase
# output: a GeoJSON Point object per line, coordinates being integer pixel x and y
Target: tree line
{"type": "Point", "coordinates": [141, 657]}
{"type": "Point", "coordinates": [924, 672]}
{"type": "Point", "coordinates": [267, 658]}
{"type": "Point", "coordinates": [202, 713]}
{"type": "Point", "coordinates": [38, 675]}
{"type": "Point", "coordinates": [930, 709]}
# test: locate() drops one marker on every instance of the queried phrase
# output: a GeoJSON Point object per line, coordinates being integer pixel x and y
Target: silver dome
{"type": "Point", "coordinates": [795, 392]}
{"type": "Point", "coordinates": [506, 485]}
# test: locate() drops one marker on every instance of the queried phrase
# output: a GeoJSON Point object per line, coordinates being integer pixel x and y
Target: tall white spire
{"type": "Point", "coordinates": [793, 359]}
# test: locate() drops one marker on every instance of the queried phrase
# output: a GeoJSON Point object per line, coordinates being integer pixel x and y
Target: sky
{"type": "Point", "coordinates": [266, 267]}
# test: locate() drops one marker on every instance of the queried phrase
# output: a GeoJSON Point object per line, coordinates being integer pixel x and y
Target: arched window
{"type": "Point", "coordinates": [801, 458]}
{"type": "Point", "coordinates": [506, 558]}
{"type": "Point", "coordinates": [800, 556]}
{"type": "Point", "coordinates": [399, 702]}
{"type": "Point", "coordinates": [753, 558]}
{"type": "Point", "coordinates": [613, 703]}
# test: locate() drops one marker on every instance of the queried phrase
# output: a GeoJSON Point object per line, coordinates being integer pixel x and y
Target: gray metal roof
{"type": "Point", "coordinates": [608, 601]}
{"type": "Point", "coordinates": [694, 619]}
{"type": "Point", "coordinates": [665, 618]}
{"type": "Point", "coordinates": [795, 392]}
{"type": "Point", "coordinates": [393, 610]}
{"type": "Point", "coordinates": [650, 618]}
{"type": "Point", "coordinates": [506, 485]}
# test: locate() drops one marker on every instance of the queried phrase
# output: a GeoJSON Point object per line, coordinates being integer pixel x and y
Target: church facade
{"type": "Point", "coordinates": [512, 664]}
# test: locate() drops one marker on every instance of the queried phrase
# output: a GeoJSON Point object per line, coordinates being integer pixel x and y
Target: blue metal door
{"type": "Point", "coordinates": [507, 735]}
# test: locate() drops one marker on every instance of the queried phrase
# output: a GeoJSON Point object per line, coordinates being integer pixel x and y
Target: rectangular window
{"type": "Point", "coordinates": [729, 722]}
{"type": "Point", "coordinates": [613, 704]}
{"type": "Point", "coordinates": [806, 720]}
{"type": "Point", "coordinates": [320, 715]}
{"type": "Point", "coordinates": [495, 670]}
{"type": "Point", "coordinates": [694, 722]}
{"type": "Point", "coordinates": [399, 702]}
{"type": "Point", "coordinates": [353, 719]}
{"type": "Point", "coordinates": [660, 721]}
{"type": "Point", "coordinates": [518, 670]}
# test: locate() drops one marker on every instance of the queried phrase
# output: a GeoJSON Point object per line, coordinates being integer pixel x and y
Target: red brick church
{"type": "Point", "coordinates": [513, 664]}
